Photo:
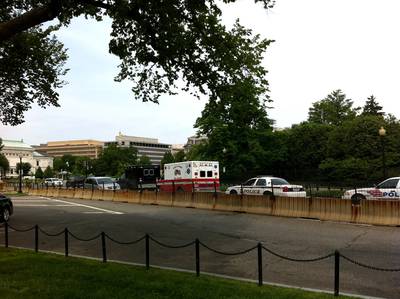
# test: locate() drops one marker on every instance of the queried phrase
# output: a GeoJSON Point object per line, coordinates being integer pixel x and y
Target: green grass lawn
{"type": "Point", "coordinates": [25, 274]}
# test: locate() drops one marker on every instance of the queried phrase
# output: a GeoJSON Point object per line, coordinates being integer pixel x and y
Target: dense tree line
{"type": "Point", "coordinates": [338, 143]}
{"type": "Point", "coordinates": [112, 161]}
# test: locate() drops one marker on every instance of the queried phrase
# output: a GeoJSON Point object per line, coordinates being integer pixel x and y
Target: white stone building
{"type": "Point", "coordinates": [13, 150]}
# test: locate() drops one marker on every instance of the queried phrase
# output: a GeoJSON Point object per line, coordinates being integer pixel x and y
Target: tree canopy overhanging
{"type": "Point", "coordinates": [158, 42]}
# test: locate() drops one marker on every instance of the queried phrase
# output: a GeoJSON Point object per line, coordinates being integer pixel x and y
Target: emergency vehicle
{"type": "Point", "coordinates": [388, 189]}
{"type": "Point", "coordinates": [190, 176]}
{"type": "Point", "coordinates": [140, 177]}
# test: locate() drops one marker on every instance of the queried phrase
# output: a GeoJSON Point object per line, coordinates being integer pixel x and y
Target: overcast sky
{"type": "Point", "coordinates": [321, 45]}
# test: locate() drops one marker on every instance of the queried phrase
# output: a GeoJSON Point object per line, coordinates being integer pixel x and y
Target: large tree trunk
{"type": "Point", "coordinates": [27, 20]}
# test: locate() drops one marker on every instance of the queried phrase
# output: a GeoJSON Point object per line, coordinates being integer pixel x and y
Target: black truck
{"type": "Point", "coordinates": [140, 177]}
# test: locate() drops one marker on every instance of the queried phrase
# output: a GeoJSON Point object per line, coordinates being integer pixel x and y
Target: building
{"type": "Point", "coordinates": [145, 146]}
{"type": "Point", "coordinates": [194, 140]}
{"type": "Point", "coordinates": [13, 150]}
{"type": "Point", "coordinates": [176, 148]}
{"type": "Point", "coordinates": [83, 148]}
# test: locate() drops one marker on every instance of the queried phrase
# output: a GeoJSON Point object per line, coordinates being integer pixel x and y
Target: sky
{"type": "Point", "coordinates": [320, 46]}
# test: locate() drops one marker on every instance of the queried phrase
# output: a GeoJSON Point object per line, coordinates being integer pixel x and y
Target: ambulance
{"type": "Point", "coordinates": [190, 176]}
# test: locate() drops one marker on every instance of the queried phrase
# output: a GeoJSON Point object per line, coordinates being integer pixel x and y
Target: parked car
{"type": "Point", "coordinates": [388, 189]}
{"type": "Point", "coordinates": [105, 183]}
{"type": "Point", "coordinates": [267, 185]}
{"type": "Point", "coordinates": [53, 182]}
{"type": "Point", "coordinates": [75, 182]}
{"type": "Point", "coordinates": [6, 208]}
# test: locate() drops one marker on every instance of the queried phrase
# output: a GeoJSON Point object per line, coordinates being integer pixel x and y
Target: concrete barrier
{"type": "Point", "coordinates": [66, 193]}
{"type": "Point", "coordinates": [97, 194]}
{"type": "Point", "coordinates": [183, 200]}
{"type": "Point", "coordinates": [120, 196]}
{"type": "Point", "coordinates": [133, 196]}
{"type": "Point", "coordinates": [204, 200]}
{"type": "Point", "coordinates": [227, 202]}
{"type": "Point", "coordinates": [376, 212]}
{"type": "Point", "coordinates": [258, 205]}
{"type": "Point", "coordinates": [148, 197]}
{"type": "Point", "coordinates": [108, 195]}
{"type": "Point", "coordinates": [164, 199]}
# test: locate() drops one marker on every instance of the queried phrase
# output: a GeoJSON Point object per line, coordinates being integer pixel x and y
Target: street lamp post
{"type": "Point", "coordinates": [20, 175]}
{"type": "Point", "coordinates": [224, 153]}
{"type": "Point", "coordinates": [382, 133]}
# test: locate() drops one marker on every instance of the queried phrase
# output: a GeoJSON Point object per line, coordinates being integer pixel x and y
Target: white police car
{"type": "Point", "coordinates": [267, 186]}
{"type": "Point", "coordinates": [388, 189]}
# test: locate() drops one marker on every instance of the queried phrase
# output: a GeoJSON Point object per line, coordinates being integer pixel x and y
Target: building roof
{"type": "Point", "coordinates": [39, 155]}
{"type": "Point", "coordinates": [16, 144]}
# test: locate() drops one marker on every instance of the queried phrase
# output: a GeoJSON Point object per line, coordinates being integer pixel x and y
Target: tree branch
{"type": "Point", "coordinates": [27, 20]}
{"type": "Point", "coordinates": [37, 16]}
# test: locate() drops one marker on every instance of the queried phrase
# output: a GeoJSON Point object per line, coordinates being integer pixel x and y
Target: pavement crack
{"type": "Point", "coordinates": [355, 239]}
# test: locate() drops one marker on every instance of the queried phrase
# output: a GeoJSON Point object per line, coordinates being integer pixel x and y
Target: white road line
{"type": "Point", "coordinates": [36, 205]}
{"type": "Point", "coordinates": [86, 206]}
{"type": "Point", "coordinates": [29, 200]}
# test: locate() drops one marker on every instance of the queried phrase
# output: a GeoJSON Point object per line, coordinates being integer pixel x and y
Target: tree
{"type": "Point", "coordinates": [65, 163]}
{"type": "Point", "coordinates": [372, 107]}
{"type": "Point", "coordinates": [144, 160]}
{"type": "Point", "coordinates": [113, 160]}
{"type": "Point", "coordinates": [39, 174]}
{"type": "Point", "coordinates": [4, 165]}
{"type": "Point", "coordinates": [48, 172]}
{"type": "Point", "coordinates": [82, 166]}
{"type": "Point", "coordinates": [168, 158]}
{"type": "Point", "coordinates": [160, 44]}
{"type": "Point", "coordinates": [354, 149]}
{"type": "Point", "coordinates": [306, 147]}
{"type": "Point", "coordinates": [333, 110]}
{"type": "Point", "coordinates": [179, 156]}
{"type": "Point", "coordinates": [26, 168]}
{"type": "Point", "coordinates": [234, 124]}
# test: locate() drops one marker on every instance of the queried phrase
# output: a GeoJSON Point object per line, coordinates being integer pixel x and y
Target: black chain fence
{"type": "Point", "coordinates": [197, 245]}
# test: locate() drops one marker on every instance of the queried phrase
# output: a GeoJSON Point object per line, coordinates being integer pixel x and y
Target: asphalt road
{"type": "Point", "coordinates": [297, 238]}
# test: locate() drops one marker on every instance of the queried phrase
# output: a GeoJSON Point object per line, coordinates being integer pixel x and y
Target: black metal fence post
{"type": "Point", "coordinates": [147, 251]}
{"type": "Point", "coordinates": [337, 270]}
{"type": "Point", "coordinates": [103, 245]}
{"type": "Point", "coordinates": [36, 238]}
{"type": "Point", "coordinates": [66, 242]}
{"type": "Point", "coordinates": [6, 234]}
{"type": "Point", "coordinates": [272, 190]}
{"type": "Point", "coordinates": [260, 269]}
{"type": "Point", "coordinates": [197, 257]}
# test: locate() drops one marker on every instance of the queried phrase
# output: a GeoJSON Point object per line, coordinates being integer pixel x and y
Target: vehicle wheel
{"type": "Point", "coordinates": [356, 198]}
{"type": "Point", "coordinates": [267, 193]}
{"type": "Point", "coordinates": [233, 192]}
{"type": "Point", "coordinates": [5, 215]}
{"type": "Point", "coordinates": [179, 190]}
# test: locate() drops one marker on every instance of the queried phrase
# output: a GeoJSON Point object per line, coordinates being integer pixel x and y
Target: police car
{"type": "Point", "coordinates": [267, 186]}
{"type": "Point", "coordinates": [388, 189]}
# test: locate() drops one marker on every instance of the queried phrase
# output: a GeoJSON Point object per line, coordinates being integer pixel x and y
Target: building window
{"type": "Point", "coordinates": [37, 162]}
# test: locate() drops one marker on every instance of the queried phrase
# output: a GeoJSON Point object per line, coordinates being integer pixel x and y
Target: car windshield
{"type": "Point", "coordinates": [104, 181]}
{"type": "Point", "coordinates": [279, 182]}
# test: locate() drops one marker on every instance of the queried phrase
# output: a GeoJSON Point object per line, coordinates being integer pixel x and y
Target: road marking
{"type": "Point", "coordinates": [93, 212]}
{"type": "Point", "coordinates": [36, 205]}
{"type": "Point", "coordinates": [82, 205]}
